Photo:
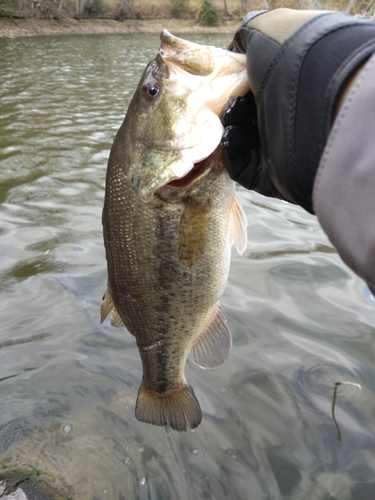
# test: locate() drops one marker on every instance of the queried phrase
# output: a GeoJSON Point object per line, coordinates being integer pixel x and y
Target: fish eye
{"type": "Point", "coordinates": [150, 90]}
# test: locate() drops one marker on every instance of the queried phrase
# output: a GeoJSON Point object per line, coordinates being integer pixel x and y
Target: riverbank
{"type": "Point", "coordinates": [13, 28]}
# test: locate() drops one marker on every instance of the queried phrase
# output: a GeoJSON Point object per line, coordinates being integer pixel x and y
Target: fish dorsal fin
{"type": "Point", "coordinates": [214, 344]}
{"type": "Point", "coordinates": [237, 226]}
{"type": "Point", "coordinates": [107, 306]}
{"type": "Point", "coordinates": [116, 319]}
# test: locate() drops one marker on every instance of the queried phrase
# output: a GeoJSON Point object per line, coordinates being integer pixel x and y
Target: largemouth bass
{"type": "Point", "coordinates": [170, 217]}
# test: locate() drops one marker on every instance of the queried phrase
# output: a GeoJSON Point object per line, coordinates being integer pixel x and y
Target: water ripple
{"type": "Point", "coordinates": [301, 321]}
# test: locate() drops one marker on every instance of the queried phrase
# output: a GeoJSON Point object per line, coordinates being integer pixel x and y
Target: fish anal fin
{"type": "Point", "coordinates": [193, 232]}
{"type": "Point", "coordinates": [178, 408]}
{"type": "Point", "coordinates": [214, 344]}
{"type": "Point", "coordinates": [108, 306]}
{"type": "Point", "coordinates": [237, 226]}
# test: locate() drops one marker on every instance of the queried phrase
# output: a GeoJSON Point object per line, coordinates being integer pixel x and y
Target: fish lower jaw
{"type": "Point", "coordinates": [178, 188]}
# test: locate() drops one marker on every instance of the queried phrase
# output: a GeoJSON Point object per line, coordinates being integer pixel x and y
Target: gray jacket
{"type": "Point", "coordinates": [344, 188]}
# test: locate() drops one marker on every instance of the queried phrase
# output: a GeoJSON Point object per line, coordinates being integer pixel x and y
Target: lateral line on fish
{"type": "Point", "coordinates": [152, 346]}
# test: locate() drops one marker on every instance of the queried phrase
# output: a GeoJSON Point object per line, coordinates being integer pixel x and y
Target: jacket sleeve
{"type": "Point", "coordinates": [344, 187]}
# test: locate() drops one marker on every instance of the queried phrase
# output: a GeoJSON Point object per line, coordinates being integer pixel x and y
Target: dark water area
{"type": "Point", "coordinates": [301, 320]}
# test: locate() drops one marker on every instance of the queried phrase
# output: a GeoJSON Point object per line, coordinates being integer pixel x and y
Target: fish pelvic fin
{"type": "Point", "coordinates": [214, 344]}
{"type": "Point", "coordinates": [178, 408]}
{"type": "Point", "coordinates": [108, 306]}
{"type": "Point", "coordinates": [237, 226]}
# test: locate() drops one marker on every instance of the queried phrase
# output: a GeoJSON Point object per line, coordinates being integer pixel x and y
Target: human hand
{"type": "Point", "coordinates": [242, 148]}
{"type": "Point", "coordinates": [298, 63]}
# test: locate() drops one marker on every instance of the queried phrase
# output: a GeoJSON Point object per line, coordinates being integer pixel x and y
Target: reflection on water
{"type": "Point", "coordinates": [301, 321]}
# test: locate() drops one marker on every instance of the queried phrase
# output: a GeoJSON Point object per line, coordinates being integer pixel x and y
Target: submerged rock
{"type": "Point", "coordinates": [26, 484]}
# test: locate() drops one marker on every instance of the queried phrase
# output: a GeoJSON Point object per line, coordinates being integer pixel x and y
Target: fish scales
{"type": "Point", "coordinates": [167, 234]}
{"type": "Point", "coordinates": [145, 231]}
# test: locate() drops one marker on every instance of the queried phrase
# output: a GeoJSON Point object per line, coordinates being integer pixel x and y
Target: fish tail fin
{"type": "Point", "coordinates": [178, 408]}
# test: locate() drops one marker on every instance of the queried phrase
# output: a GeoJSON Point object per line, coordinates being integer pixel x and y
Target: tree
{"type": "Point", "coordinates": [243, 6]}
{"type": "Point", "coordinates": [60, 6]}
{"type": "Point", "coordinates": [349, 5]}
{"type": "Point", "coordinates": [298, 4]}
{"type": "Point", "coordinates": [124, 10]}
{"type": "Point", "coordinates": [227, 11]}
{"type": "Point", "coordinates": [82, 6]}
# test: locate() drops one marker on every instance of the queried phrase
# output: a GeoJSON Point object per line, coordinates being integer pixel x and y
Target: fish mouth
{"type": "Point", "coordinates": [177, 189]}
{"type": "Point", "coordinates": [190, 177]}
{"type": "Point", "coordinates": [199, 168]}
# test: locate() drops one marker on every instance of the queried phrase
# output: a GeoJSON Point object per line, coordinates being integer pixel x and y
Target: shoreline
{"type": "Point", "coordinates": [18, 27]}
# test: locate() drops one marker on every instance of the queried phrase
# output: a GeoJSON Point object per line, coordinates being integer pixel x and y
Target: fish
{"type": "Point", "coordinates": [170, 217]}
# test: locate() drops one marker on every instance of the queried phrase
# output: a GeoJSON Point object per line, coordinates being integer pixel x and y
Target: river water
{"type": "Point", "coordinates": [301, 321]}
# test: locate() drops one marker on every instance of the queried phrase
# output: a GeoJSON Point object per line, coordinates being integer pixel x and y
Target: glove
{"type": "Point", "coordinates": [241, 142]}
{"type": "Point", "coordinates": [298, 63]}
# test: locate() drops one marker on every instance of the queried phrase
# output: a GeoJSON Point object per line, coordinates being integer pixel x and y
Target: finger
{"type": "Point", "coordinates": [237, 150]}
{"type": "Point", "coordinates": [241, 112]}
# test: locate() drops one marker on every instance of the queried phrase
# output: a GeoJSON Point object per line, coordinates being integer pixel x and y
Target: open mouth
{"type": "Point", "coordinates": [198, 169]}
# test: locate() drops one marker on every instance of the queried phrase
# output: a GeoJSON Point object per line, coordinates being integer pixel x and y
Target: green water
{"type": "Point", "coordinates": [301, 321]}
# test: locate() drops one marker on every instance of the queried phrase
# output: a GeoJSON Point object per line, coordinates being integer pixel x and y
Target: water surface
{"type": "Point", "coordinates": [301, 321]}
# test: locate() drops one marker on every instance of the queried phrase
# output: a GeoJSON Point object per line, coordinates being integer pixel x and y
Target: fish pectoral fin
{"type": "Point", "coordinates": [214, 344]}
{"type": "Point", "coordinates": [192, 237]}
{"type": "Point", "coordinates": [237, 226]}
{"type": "Point", "coordinates": [178, 408]}
{"type": "Point", "coordinates": [109, 306]}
